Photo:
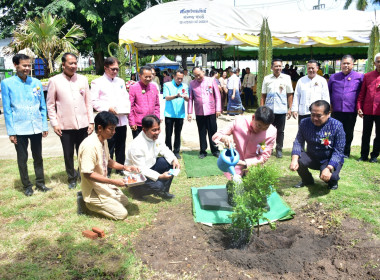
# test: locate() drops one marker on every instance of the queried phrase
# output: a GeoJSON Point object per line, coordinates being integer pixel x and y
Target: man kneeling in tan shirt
{"type": "Point", "coordinates": [101, 194]}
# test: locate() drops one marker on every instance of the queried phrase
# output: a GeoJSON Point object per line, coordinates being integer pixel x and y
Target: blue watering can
{"type": "Point", "coordinates": [227, 160]}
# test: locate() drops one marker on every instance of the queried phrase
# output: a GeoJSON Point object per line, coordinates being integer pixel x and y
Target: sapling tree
{"type": "Point", "coordinates": [250, 201]}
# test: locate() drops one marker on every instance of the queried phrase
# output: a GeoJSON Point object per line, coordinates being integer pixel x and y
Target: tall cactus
{"type": "Point", "coordinates": [373, 48]}
{"type": "Point", "coordinates": [122, 55]}
{"type": "Point", "coordinates": [265, 56]}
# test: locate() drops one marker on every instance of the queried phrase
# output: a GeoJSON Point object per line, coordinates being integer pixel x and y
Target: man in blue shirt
{"type": "Point", "coordinates": [25, 118]}
{"type": "Point", "coordinates": [175, 94]}
{"type": "Point", "coordinates": [325, 138]}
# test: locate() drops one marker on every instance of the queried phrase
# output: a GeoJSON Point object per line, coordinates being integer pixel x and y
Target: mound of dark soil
{"type": "Point", "coordinates": [307, 247]}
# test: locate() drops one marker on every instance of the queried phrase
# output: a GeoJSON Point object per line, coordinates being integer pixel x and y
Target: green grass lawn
{"type": "Point", "coordinates": [41, 235]}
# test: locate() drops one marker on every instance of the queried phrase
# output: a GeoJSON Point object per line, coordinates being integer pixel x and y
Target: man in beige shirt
{"type": "Point", "coordinates": [101, 194]}
{"type": "Point", "coordinates": [248, 84]}
{"type": "Point", "coordinates": [70, 111]}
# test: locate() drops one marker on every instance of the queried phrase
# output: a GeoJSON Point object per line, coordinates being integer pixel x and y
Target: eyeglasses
{"type": "Point", "coordinates": [113, 69]}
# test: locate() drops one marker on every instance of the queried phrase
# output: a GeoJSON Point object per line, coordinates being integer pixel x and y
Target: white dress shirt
{"type": "Point", "coordinates": [111, 93]}
{"type": "Point", "coordinates": [308, 91]}
{"type": "Point", "coordinates": [143, 153]}
{"type": "Point", "coordinates": [249, 80]}
{"type": "Point", "coordinates": [233, 82]}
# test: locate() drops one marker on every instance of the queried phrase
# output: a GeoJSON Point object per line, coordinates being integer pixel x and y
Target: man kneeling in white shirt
{"type": "Point", "coordinates": [153, 158]}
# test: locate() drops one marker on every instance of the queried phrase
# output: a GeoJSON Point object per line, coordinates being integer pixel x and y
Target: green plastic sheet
{"type": "Point", "coordinates": [279, 210]}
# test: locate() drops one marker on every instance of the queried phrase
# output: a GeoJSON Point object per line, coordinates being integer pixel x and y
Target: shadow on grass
{"type": "Point", "coordinates": [61, 177]}
{"type": "Point", "coordinates": [317, 190]}
{"type": "Point", "coordinates": [70, 257]}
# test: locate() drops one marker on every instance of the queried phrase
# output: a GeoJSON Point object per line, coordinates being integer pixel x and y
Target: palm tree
{"type": "Point", "coordinates": [45, 37]}
{"type": "Point", "coordinates": [360, 4]}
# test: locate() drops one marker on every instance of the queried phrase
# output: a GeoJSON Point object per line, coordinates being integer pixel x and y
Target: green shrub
{"type": "Point", "coordinates": [250, 199]}
{"type": "Point", "coordinates": [89, 77]}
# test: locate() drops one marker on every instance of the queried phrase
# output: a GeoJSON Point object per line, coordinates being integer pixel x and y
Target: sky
{"type": "Point", "coordinates": [302, 5]}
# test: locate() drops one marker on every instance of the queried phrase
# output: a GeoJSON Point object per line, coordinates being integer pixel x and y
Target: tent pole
{"type": "Point", "coordinates": [311, 52]}
{"type": "Point", "coordinates": [238, 57]}
{"type": "Point", "coordinates": [234, 58]}
{"type": "Point", "coordinates": [221, 51]}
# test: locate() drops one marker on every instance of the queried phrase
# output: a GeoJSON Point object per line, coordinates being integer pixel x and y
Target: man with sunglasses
{"type": "Point", "coordinates": [109, 93]}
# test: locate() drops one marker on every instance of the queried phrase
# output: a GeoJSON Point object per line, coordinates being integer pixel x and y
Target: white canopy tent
{"type": "Point", "coordinates": [205, 24]}
{"type": "Point", "coordinates": [164, 62]}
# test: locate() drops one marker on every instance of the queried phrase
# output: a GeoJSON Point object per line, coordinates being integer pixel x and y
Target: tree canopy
{"type": "Point", "coordinates": [100, 19]}
{"type": "Point", "coordinates": [45, 37]}
{"type": "Point", "coordinates": [360, 4]}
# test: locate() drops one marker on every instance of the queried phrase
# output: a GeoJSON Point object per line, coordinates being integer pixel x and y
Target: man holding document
{"type": "Point", "coordinates": [154, 159]}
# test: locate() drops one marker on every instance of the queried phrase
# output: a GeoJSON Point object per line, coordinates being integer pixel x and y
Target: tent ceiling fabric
{"type": "Point", "coordinates": [206, 24]}
{"type": "Point", "coordinates": [304, 53]}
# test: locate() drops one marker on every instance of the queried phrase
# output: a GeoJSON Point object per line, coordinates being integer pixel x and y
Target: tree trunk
{"type": "Point", "coordinates": [184, 61]}
{"type": "Point", "coordinates": [99, 59]}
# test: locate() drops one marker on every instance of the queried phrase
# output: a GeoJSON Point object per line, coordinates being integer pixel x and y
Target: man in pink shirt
{"type": "Point", "coordinates": [254, 138]}
{"type": "Point", "coordinates": [70, 111]}
{"type": "Point", "coordinates": [204, 92]}
{"type": "Point", "coordinates": [144, 100]}
{"type": "Point", "coordinates": [109, 93]}
{"type": "Point", "coordinates": [368, 106]}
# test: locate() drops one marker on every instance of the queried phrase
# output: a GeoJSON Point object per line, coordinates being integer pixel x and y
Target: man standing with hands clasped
{"type": "Point", "coordinates": [144, 98]}
{"type": "Point", "coordinates": [110, 94]}
{"type": "Point", "coordinates": [205, 93]}
{"type": "Point", "coordinates": [344, 90]}
{"type": "Point", "coordinates": [277, 94]}
{"type": "Point", "coordinates": [25, 119]}
{"type": "Point", "coordinates": [175, 94]}
{"type": "Point", "coordinates": [369, 109]}
{"type": "Point", "coordinates": [309, 88]}
{"type": "Point", "coordinates": [70, 111]}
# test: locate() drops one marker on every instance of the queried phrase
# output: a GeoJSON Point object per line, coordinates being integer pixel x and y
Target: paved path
{"type": "Point", "coordinates": [52, 145]}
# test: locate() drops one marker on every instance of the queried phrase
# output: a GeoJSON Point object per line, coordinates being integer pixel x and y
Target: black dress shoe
{"type": "Point", "coordinates": [202, 156]}
{"type": "Point", "coordinates": [166, 195]}
{"type": "Point", "coordinates": [373, 160]}
{"type": "Point", "coordinates": [333, 187]}
{"type": "Point", "coordinates": [43, 188]}
{"type": "Point", "coordinates": [177, 156]}
{"type": "Point", "coordinates": [362, 159]}
{"type": "Point", "coordinates": [216, 154]}
{"type": "Point", "coordinates": [302, 184]}
{"type": "Point", "coordinates": [72, 185]}
{"type": "Point", "coordinates": [278, 154]}
{"type": "Point", "coordinates": [28, 191]}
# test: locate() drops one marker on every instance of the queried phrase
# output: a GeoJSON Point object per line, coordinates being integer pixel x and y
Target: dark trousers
{"type": "Point", "coordinates": [300, 118]}
{"type": "Point", "coordinates": [207, 125]}
{"type": "Point", "coordinates": [177, 124]}
{"type": "Point", "coordinates": [224, 96]}
{"type": "Point", "coordinates": [368, 121]}
{"type": "Point", "coordinates": [305, 162]}
{"type": "Point", "coordinates": [136, 132]}
{"type": "Point", "coordinates": [154, 187]}
{"type": "Point", "coordinates": [348, 120]}
{"type": "Point", "coordinates": [116, 145]}
{"type": "Point", "coordinates": [22, 158]}
{"type": "Point", "coordinates": [279, 123]}
{"type": "Point", "coordinates": [248, 97]}
{"type": "Point", "coordinates": [71, 139]}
